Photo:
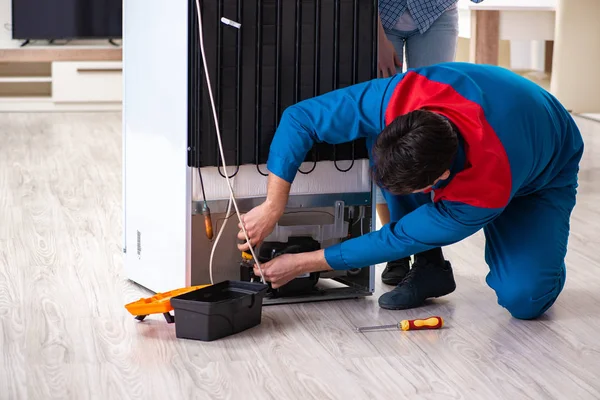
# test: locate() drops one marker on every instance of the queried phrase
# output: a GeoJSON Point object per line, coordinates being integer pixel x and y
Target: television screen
{"type": "Point", "coordinates": [67, 19]}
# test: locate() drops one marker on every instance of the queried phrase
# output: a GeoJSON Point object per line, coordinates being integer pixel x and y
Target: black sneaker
{"type": "Point", "coordinates": [425, 280]}
{"type": "Point", "coordinates": [395, 271]}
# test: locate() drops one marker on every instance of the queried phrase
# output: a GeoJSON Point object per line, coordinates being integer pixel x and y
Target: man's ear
{"type": "Point", "coordinates": [445, 175]}
{"type": "Point", "coordinates": [442, 177]}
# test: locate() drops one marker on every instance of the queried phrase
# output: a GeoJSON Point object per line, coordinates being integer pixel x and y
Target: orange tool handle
{"type": "Point", "coordinates": [418, 324]}
{"type": "Point", "coordinates": [208, 226]}
{"type": "Point", "coordinates": [160, 303]}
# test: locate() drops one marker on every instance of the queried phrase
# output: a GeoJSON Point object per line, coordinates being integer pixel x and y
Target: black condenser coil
{"type": "Point", "coordinates": [285, 51]}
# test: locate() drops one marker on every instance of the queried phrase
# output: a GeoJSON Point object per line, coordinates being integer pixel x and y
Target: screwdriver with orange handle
{"type": "Point", "coordinates": [207, 221]}
{"type": "Point", "coordinates": [409, 325]}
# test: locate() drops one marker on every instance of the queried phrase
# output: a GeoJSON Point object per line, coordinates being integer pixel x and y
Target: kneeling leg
{"type": "Point", "coordinates": [525, 250]}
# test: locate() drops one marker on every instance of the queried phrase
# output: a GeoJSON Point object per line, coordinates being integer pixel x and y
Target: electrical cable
{"type": "Point", "coordinates": [216, 119]}
{"type": "Point", "coordinates": [224, 218]}
{"type": "Point", "coordinates": [214, 246]}
{"type": "Point", "coordinates": [362, 225]}
{"type": "Point", "coordinates": [202, 185]}
{"type": "Point", "coordinates": [361, 215]}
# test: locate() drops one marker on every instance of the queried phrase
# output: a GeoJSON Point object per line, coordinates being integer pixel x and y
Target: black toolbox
{"type": "Point", "coordinates": [218, 310]}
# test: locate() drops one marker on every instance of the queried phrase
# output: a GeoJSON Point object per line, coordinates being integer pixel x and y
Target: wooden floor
{"type": "Point", "coordinates": [64, 333]}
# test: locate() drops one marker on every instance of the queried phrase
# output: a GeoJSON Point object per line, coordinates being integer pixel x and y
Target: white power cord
{"type": "Point", "coordinates": [214, 110]}
{"type": "Point", "coordinates": [214, 246]}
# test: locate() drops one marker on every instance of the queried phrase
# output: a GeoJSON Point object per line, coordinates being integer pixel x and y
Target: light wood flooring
{"type": "Point", "coordinates": [64, 333]}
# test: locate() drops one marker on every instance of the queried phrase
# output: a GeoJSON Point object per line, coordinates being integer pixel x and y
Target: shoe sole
{"type": "Point", "coordinates": [385, 307]}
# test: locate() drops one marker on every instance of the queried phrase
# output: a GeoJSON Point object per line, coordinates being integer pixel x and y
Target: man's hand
{"type": "Point", "coordinates": [286, 267]}
{"type": "Point", "coordinates": [261, 220]}
{"type": "Point", "coordinates": [388, 58]}
{"type": "Point", "coordinates": [259, 224]}
{"type": "Point", "coordinates": [282, 269]}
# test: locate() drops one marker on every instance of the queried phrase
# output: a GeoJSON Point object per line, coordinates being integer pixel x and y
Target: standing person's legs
{"type": "Point", "coordinates": [398, 40]}
{"type": "Point", "coordinates": [437, 44]}
{"type": "Point", "coordinates": [429, 276]}
{"type": "Point", "coordinates": [526, 248]}
{"type": "Point", "coordinates": [395, 270]}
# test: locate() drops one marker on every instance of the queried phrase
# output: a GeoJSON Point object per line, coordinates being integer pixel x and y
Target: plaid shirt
{"type": "Point", "coordinates": [423, 12]}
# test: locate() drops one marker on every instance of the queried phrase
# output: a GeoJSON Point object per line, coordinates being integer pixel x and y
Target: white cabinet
{"type": "Point", "coordinates": [44, 79]}
{"type": "Point", "coordinates": [87, 82]}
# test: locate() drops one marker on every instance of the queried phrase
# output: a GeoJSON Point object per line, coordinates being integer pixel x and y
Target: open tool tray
{"type": "Point", "coordinates": [206, 312]}
{"type": "Point", "coordinates": [218, 310]}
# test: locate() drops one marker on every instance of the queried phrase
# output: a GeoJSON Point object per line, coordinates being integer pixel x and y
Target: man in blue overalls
{"type": "Point", "coordinates": [455, 148]}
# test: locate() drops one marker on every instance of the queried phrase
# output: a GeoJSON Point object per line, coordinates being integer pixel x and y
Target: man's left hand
{"type": "Point", "coordinates": [286, 267]}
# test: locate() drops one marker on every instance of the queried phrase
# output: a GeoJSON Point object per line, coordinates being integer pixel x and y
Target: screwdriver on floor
{"type": "Point", "coordinates": [408, 325]}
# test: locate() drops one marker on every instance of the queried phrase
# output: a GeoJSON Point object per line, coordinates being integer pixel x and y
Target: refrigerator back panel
{"type": "Point", "coordinates": [284, 52]}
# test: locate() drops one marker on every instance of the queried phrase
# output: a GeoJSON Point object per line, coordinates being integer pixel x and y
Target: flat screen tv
{"type": "Point", "coordinates": [67, 19]}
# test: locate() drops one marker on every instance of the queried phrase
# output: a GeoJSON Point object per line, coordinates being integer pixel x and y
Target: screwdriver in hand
{"type": "Point", "coordinates": [408, 325]}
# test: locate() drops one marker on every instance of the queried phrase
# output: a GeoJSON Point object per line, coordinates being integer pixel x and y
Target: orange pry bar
{"type": "Point", "coordinates": [160, 303]}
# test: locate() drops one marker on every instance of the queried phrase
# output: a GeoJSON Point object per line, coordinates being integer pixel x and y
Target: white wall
{"type": "Point", "coordinates": [525, 55]}
{"type": "Point", "coordinates": [576, 82]}
{"type": "Point", "coordinates": [5, 28]}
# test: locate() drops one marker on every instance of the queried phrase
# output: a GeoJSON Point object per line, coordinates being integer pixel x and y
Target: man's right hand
{"type": "Point", "coordinates": [261, 220]}
{"type": "Point", "coordinates": [259, 224]}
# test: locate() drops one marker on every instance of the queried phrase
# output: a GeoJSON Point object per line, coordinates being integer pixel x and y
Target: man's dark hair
{"type": "Point", "coordinates": [413, 151]}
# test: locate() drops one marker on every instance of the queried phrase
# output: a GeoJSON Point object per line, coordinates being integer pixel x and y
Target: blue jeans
{"type": "Point", "coordinates": [434, 46]}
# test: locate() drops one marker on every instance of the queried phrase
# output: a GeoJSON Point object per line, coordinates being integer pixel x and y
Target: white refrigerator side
{"type": "Point", "coordinates": [157, 181]}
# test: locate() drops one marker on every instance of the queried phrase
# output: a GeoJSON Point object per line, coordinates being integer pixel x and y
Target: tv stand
{"type": "Point", "coordinates": [112, 41]}
{"type": "Point", "coordinates": [25, 43]}
{"type": "Point", "coordinates": [61, 78]}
